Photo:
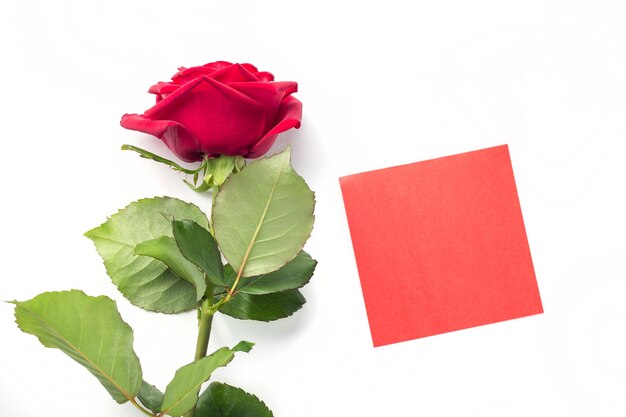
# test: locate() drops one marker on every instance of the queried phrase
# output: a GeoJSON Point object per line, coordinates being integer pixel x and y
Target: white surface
{"type": "Point", "coordinates": [383, 83]}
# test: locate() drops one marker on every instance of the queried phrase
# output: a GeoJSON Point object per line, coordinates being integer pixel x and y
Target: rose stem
{"type": "Point", "coordinates": [204, 329]}
{"type": "Point", "coordinates": [205, 320]}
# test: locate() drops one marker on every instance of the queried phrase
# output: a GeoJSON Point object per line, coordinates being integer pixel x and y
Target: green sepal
{"type": "Point", "coordinates": [149, 155]}
{"type": "Point", "coordinates": [202, 187]}
{"type": "Point", "coordinates": [224, 166]}
{"type": "Point", "coordinates": [216, 171]}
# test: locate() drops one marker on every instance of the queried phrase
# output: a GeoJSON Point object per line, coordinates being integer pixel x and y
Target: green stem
{"type": "Point", "coordinates": [206, 312]}
{"type": "Point", "coordinates": [204, 329]}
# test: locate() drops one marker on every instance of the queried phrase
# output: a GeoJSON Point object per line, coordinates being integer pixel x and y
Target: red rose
{"type": "Point", "coordinates": [219, 109]}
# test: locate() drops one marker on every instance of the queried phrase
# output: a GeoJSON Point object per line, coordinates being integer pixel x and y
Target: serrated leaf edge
{"type": "Point", "coordinates": [232, 351]}
{"type": "Point", "coordinates": [230, 178]}
{"type": "Point", "coordinates": [128, 396]}
{"type": "Point", "coordinates": [269, 321]}
{"type": "Point", "coordinates": [240, 389]}
{"type": "Point", "coordinates": [88, 234]}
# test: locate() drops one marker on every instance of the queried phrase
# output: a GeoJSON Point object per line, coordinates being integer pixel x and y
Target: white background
{"type": "Point", "coordinates": [383, 83]}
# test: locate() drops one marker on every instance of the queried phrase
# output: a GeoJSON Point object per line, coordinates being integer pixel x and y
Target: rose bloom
{"type": "Point", "coordinates": [219, 109]}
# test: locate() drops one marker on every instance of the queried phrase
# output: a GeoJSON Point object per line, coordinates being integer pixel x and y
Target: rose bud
{"type": "Point", "coordinates": [219, 109]}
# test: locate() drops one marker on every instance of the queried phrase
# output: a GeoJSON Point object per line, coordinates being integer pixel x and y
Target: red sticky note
{"type": "Point", "coordinates": [440, 245]}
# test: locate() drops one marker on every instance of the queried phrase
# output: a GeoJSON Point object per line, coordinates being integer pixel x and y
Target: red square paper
{"type": "Point", "coordinates": [440, 245]}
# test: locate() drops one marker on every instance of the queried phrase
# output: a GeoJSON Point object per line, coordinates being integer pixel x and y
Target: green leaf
{"type": "Point", "coordinates": [181, 393]}
{"type": "Point", "coordinates": [266, 307]}
{"type": "Point", "coordinates": [243, 346]}
{"type": "Point", "coordinates": [144, 281]}
{"type": "Point", "coordinates": [151, 397]}
{"type": "Point", "coordinates": [165, 250]}
{"type": "Point", "coordinates": [198, 246]}
{"type": "Point", "coordinates": [293, 275]}
{"type": "Point", "coordinates": [224, 400]}
{"type": "Point", "coordinates": [90, 331]}
{"type": "Point", "coordinates": [263, 215]}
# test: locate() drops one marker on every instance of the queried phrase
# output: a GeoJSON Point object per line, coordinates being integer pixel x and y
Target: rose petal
{"type": "Point", "coordinates": [266, 94]}
{"type": "Point", "coordinates": [270, 95]}
{"type": "Point", "coordinates": [219, 108]}
{"type": "Point", "coordinates": [251, 68]}
{"type": "Point", "coordinates": [222, 72]}
{"type": "Point", "coordinates": [264, 76]}
{"type": "Point", "coordinates": [286, 87]}
{"type": "Point", "coordinates": [162, 89]}
{"type": "Point", "coordinates": [224, 120]}
{"type": "Point", "coordinates": [233, 73]}
{"type": "Point", "coordinates": [187, 74]}
{"type": "Point", "coordinates": [289, 116]}
{"type": "Point", "coordinates": [180, 141]}
{"type": "Point", "coordinates": [217, 65]}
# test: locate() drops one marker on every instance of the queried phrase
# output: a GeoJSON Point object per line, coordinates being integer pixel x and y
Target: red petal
{"type": "Point", "coordinates": [163, 88]}
{"type": "Point", "coordinates": [251, 68]}
{"type": "Point", "coordinates": [270, 95]}
{"type": "Point", "coordinates": [264, 76]}
{"type": "Point", "coordinates": [224, 120]}
{"type": "Point", "coordinates": [217, 65]}
{"type": "Point", "coordinates": [221, 71]}
{"type": "Point", "coordinates": [187, 74]}
{"type": "Point", "coordinates": [233, 73]}
{"type": "Point", "coordinates": [264, 93]}
{"type": "Point", "coordinates": [286, 87]}
{"type": "Point", "coordinates": [289, 116]}
{"type": "Point", "coordinates": [180, 141]}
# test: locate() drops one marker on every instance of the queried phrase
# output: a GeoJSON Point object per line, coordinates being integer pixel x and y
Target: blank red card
{"type": "Point", "coordinates": [440, 245]}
